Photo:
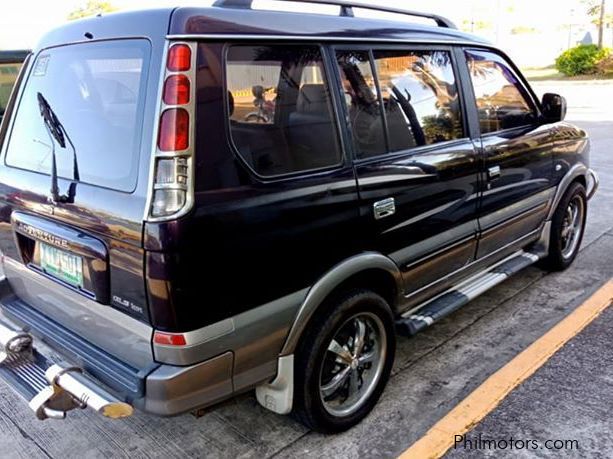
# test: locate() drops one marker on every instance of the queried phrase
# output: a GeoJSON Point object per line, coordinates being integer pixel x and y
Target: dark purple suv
{"type": "Point", "coordinates": [197, 202]}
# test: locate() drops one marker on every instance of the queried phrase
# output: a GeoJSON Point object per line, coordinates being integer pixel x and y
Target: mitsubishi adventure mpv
{"type": "Point", "coordinates": [199, 202]}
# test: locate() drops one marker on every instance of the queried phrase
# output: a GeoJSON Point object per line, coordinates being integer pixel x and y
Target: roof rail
{"type": "Point", "coordinates": [347, 7]}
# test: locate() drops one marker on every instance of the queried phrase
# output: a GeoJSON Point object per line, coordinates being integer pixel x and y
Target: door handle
{"type": "Point", "coordinates": [384, 208]}
{"type": "Point", "coordinates": [493, 172]}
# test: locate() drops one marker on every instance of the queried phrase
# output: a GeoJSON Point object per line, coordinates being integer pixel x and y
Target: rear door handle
{"type": "Point", "coordinates": [493, 172]}
{"type": "Point", "coordinates": [384, 208]}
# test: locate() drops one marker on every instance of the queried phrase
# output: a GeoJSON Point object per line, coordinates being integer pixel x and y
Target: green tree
{"type": "Point", "coordinates": [597, 9]}
{"type": "Point", "coordinates": [91, 8]}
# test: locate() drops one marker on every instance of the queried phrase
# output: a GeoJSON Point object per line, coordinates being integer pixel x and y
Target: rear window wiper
{"type": "Point", "coordinates": [56, 132]}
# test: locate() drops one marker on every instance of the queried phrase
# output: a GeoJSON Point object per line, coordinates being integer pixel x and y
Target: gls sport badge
{"type": "Point", "coordinates": [127, 304]}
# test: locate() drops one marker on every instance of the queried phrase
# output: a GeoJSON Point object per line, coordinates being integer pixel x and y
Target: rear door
{"type": "Point", "coordinates": [417, 168]}
{"type": "Point", "coordinates": [73, 196]}
{"type": "Point", "coordinates": [516, 153]}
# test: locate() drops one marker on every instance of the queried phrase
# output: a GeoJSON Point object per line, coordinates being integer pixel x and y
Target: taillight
{"type": "Point", "coordinates": [169, 339]}
{"type": "Point", "coordinates": [179, 58]}
{"type": "Point", "coordinates": [172, 186]}
{"type": "Point", "coordinates": [174, 130]}
{"type": "Point", "coordinates": [176, 90]}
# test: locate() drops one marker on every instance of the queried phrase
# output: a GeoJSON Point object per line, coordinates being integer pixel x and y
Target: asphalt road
{"type": "Point", "coordinates": [433, 371]}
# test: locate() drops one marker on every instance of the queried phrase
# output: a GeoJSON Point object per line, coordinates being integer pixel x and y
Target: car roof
{"type": "Point", "coordinates": [225, 22]}
{"type": "Point", "coordinates": [241, 22]}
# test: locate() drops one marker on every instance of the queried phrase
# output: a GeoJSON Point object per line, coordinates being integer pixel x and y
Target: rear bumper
{"type": "Point", "coordinates": [174, 390]}
{"type": "Point", "coordinates": [163, 390]}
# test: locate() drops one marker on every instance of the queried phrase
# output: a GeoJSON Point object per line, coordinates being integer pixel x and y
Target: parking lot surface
{"type": "Point", "coordinates": [433, 371]}
{"type": "Point", "coordinates": [576, 421]}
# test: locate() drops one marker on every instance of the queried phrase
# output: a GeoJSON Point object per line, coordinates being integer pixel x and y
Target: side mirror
{"type": "Point", "coordinates": [554, 107]}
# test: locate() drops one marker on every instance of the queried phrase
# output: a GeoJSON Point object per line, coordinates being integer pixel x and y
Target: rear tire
{"type": "Point", "coordinates": [567, 228]}
{"type": "Point", "coordinates": [343, 362]}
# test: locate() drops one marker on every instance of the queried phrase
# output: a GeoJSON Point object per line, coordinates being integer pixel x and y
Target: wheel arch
{"type": "Point", "coordinates": [577, 173]}
{"type": "Point", "coordinates": [369, 270]}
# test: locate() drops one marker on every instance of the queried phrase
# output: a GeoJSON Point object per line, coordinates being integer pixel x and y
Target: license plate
{"type": "Point", "coordinates": [61, 265]}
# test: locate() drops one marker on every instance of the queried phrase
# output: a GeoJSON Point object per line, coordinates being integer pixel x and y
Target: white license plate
{"type": "Point", "coordinates": [61, 265]}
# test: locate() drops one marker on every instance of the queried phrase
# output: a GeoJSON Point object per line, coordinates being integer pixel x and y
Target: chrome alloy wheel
{"type": "Point", "coordinates": [353, 364]}
{"type": "Point", "coordinates": [572, 226]}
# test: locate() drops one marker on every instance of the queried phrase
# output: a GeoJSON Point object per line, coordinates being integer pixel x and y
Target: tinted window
{"type": "Point", "coordinates": [281, 116]}
{"type": "Point", "coordinates": [420, 97]}
{"type": "Point", "coordinates": [97, 92]}
{"type": "Point", "coordinates": [362, 101]}
{"type": "Point", "coordinates": [502, 101]}
{"type": "Point", "coordinates": [8, 75]}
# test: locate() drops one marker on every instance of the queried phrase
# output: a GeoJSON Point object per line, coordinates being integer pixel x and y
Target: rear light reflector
{"type": "Point", "coordinates": [169, 339]}
{"type": "Point", "coordinates": [176, 90]}
{"type": "Point", "coordinates": [179, 58]}
{"type": "Point", "coordinates": [174, 130]}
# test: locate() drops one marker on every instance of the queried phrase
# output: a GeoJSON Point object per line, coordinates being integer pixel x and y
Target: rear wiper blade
{"type": "Point", "coordinates": [56, 132]}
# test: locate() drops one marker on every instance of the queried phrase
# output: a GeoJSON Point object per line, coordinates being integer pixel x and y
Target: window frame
{"type": "Point", "coordinates": [328, 78]}
{"type": "Point", "coordinates": [371, 48]}
{"type": "Point", "coordinates": [525, 90]}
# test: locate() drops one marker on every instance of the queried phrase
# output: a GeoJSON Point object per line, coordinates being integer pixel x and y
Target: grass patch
{"type": "Point", "coordinates": [550, 73]}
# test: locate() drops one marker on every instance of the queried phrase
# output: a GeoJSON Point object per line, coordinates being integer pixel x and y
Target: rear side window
{"type": "Point", "coordinates": [8, 75]}
{"type": "Point", "coordinates": [419, 94]}
{"type": "Point", "coordinates": [280, 109]}
{"type": "Point", "coordinates": [96, 92]}
{"type": "Point", "coordinates": [502, 101]}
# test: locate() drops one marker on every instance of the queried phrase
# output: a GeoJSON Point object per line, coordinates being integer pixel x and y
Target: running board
{"type": "Point", "coordinates": [49, 388]}
{"type": "Point", "coordinates": [452, 300]}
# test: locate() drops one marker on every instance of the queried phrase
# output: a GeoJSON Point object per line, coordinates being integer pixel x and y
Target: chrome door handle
{"type": "Point", "coordinates": [493, 172]}
{"type": "Point", "coordinates": [384, 208]}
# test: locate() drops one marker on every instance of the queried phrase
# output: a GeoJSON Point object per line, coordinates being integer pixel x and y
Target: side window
{"type": "Point", "coordinates": [362, 102]}
{"type": "Point", "coordinates": [280, 110]}
{"type": "Point", "coordinates": [420, 99]}
{"type": "Point", "coordinates": [420, 96]}
{"type": "Point", "coordinates": [502, 101]}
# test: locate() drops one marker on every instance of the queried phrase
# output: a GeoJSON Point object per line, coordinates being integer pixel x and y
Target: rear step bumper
{"type": "Point", "coordinates": [51, 389]}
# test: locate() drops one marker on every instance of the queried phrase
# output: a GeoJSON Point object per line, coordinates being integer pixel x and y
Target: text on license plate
{"type": "Point", "coordinates": [62, 265]}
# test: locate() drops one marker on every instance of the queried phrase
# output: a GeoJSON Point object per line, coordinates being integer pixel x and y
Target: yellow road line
{"type": "Point", "coordinates": [437, 441]}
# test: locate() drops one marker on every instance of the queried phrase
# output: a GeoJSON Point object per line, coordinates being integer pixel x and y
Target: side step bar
{"type": "Point", "coordinates": [51, 389]}
{"type": "Point", "coordinates": [454, 299]}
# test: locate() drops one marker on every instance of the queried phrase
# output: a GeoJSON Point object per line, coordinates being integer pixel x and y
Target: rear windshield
{"type": "Point", "coordinates": [96, 92]}
{"type": "Point", "coordinates": [8, 75]}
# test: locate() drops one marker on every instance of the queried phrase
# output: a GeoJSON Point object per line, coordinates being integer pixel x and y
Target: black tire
{"type": "Point", "coordinates": [556, 259]}
{"type": "Point", "coordinates": [309, 407]}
